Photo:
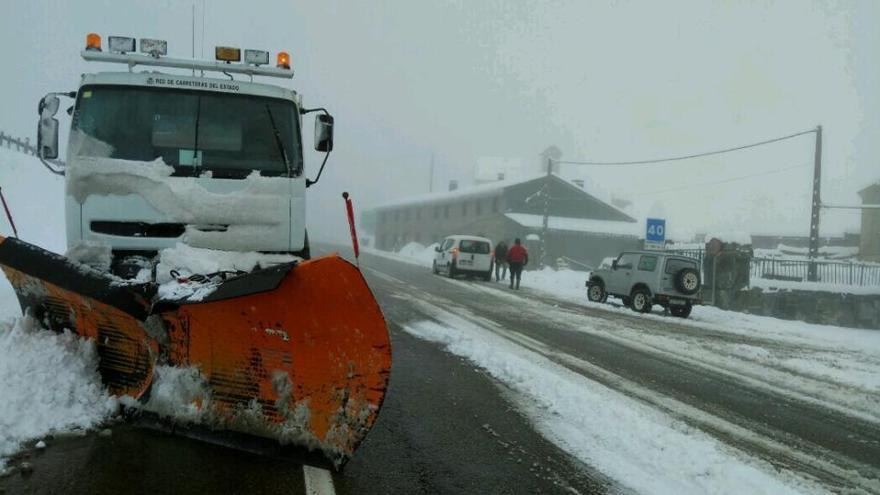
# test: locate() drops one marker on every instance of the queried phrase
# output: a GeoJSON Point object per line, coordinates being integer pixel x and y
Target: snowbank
{"type": "Point", "coordinates": [639, 446]}
{"type": "Point", "coordinates": [48, 384]}
{"type": "Point", "coordinates": [769, 285]}
{"type": "Point", "coordinates": [413, 253]}
{"type": "Point", "coordinates": [36, 201]}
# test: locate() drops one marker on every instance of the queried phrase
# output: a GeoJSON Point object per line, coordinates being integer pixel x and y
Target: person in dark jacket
{"type": "Point", "coordinates": [500, 260]}
{"type": "Point", "coordinates": [517, 258]}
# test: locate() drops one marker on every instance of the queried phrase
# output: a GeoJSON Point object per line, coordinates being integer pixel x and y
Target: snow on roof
{"type": "Point", "coordinates": [481, 189]}
{"type": "Point", "coordinates": [612, 227]}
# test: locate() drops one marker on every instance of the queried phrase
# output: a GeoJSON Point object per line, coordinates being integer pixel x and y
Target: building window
{"type": "Point", "coordinates": [479, 206]}
{"type": "Point", "coordinates": [464, 209]}
{"type": "Point", "coordinates": [495, 205]}
{"type": "Point", "coordinates": [446, 211]}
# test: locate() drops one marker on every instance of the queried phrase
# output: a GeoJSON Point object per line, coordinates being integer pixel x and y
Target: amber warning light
{"type": "Point", "coordinates": [227, 54]}
{"type": "Point", "coordinates": [283, 60]}
{"type": "Point", "coordinates": [93, 42]}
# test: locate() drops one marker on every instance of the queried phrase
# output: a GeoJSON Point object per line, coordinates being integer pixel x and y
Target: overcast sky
{"type": "Point", "coordinates": [613, 80]}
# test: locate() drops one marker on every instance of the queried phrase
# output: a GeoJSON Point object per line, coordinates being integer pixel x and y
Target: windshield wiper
{"type": "Point", "coordinates": [278, 140]}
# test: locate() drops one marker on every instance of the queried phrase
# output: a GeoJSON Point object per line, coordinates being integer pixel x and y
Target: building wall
{"type": "Point", "coordinates": [586, 248]}
{"type": "Point", "coordinates": [869, 247]}
{"type": "Point", "coordinates": [484, 216]}
{"type": "Point", "coordinates": [429, 223]}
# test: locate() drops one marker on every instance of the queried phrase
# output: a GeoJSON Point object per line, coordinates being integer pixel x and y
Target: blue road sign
{"type": "Point", "coordinates": [656, 231]}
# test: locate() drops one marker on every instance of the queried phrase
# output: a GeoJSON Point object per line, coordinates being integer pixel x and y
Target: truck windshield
{"type": "Point", "coordinates": [230, 135]}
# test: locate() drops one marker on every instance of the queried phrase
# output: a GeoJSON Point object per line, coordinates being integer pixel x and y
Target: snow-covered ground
{"type": "Point", "coordinates": [49, 384]}
{"type": "Point", "coordinates": [413, 253]}
{"type": "Point", "coordinates": [641, 447]}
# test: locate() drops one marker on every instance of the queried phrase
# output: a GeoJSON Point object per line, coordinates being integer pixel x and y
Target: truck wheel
{"type": "Point", "coordinates": [488, 276]}
{"type": "Point", "coordinates": [681, 311]}
{"type": "Point", "coordinates": [596, 292]}
{"type": "Point", "coordinates": [687, 281]}
{"type": "Point", "coordinates": [641, 301]}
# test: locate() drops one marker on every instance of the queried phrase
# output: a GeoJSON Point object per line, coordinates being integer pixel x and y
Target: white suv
{"type": "Point", "coordinates": [644, 278]}
{"type": "Point", "coordinates": [464, 255]}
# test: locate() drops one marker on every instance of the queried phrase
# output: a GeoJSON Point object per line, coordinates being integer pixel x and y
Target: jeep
{"type": "Point", "coordinates": [644, 278]}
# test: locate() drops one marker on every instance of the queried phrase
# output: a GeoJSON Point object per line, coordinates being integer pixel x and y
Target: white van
{"type": "Point", "coordinates": [464, 255]}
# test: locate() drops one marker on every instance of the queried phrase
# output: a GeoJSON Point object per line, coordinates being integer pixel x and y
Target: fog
{"type": "Point", "coordinates": [457, 82]}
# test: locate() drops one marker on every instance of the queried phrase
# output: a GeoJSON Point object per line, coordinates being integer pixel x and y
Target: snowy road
{"type": "Point", "coordinates": [500, 392]}
{"type": "Point", "coordinates": [713, 408]}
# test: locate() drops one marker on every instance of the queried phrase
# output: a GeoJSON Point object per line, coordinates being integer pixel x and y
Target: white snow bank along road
{"type": "Point", "coordinates": [36, 201]}
{"type": "Point", "coordinates": [638, 446]}
{"type": "Point", "coordinates": [412, 253]}
{"type": "Point", "coordinates": [49, 384]}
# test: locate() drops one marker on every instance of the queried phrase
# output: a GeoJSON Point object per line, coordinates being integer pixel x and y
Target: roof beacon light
{"type": "Point", "coordinates": [256, 57]}
{"type": "Point", "coordinates": [93, 42]}
{"type": "Point", "coordinates": [283, 61]}
{"type": "Point", "coordinates": [227, 54]}
{"type": "Point", "coordinates": [154, 48]}
{"type": "Point", "coordinates": [120, 44]}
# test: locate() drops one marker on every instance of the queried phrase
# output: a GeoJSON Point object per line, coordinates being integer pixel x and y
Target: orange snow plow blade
{"type": "Point", "coordinates": [310, 357]}
{"type": "Point", "coordinates": [297, 354]}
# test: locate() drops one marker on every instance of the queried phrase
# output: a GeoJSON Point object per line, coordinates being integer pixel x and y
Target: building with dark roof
{"type": "Point", "coordinates": [581, 227]}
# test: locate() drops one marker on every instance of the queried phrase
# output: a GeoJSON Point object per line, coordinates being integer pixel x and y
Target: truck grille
{"type": "Point", "coordinates": [138, 229]}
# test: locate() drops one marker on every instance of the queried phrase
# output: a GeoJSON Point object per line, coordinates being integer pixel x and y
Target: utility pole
{"type": "Point", "coordinates": [812, 274]}
{"type": "Point", "coordinates": [545, 223]}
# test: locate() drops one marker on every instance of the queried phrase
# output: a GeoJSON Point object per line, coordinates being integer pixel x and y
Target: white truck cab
{"type": "Point", "coordinates": [155, 158]}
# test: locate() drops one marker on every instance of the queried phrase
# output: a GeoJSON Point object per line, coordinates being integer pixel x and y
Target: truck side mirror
{"type": "Point", "coordinates": [324, 133]}
{"type": "Point", "coordinates": [47, 129]}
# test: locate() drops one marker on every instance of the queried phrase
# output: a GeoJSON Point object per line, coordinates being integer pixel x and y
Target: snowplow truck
{"type": "Point", "coordinates": [291, 358]}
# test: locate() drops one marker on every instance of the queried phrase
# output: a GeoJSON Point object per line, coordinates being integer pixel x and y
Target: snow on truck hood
{"type": "Point", "coordinates": [256, 206]}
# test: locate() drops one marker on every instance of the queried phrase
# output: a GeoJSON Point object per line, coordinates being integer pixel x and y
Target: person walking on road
{"type": "Point", "coordinates": [500, 260]}
{"type": "Point", "coordinates": [517, 258]}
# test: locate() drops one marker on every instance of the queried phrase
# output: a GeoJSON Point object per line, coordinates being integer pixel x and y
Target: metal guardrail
{"type": "Point", "coordinates": [17, 144]}
{"type": "Point", "coordinates": [828, 271]}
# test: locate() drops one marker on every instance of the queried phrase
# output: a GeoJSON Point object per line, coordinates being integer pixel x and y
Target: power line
{"type": "Point", "coordinates": [687, 157]}
{"type": "Point", "coordinates": [724, 181]}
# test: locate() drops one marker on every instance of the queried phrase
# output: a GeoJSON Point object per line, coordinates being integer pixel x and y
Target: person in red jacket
{"type": "Point", "coordinates": [517, 258]}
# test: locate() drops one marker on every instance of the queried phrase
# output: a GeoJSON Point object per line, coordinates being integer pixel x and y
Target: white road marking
{"type": "Point", "coordinates": [318, 481]}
